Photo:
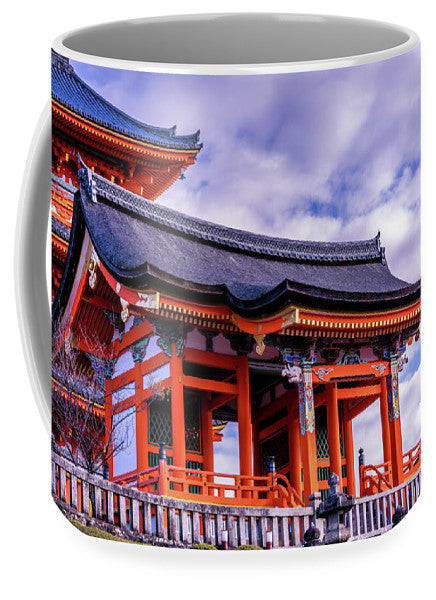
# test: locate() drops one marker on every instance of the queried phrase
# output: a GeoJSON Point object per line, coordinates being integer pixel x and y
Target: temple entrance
{"type": "Point", "coordinates": [276, 431]}
{"type": "Point", "coordinates": [276, 437]}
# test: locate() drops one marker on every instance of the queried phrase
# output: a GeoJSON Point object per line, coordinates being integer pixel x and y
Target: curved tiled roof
{"type": "Point", "coordinates": [146, 245]}
{"type": "Point", "coordinates": [67, 187]}
{"type": "Point", "coordinates": [237, 239]}
{"type": "Point", "coordinates": [60, 229]}
{"type": "Point", "coordinates": [72, 92]}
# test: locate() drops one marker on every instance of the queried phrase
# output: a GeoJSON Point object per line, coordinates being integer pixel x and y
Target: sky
{"type": "Point", "coordinates": [328, 155]}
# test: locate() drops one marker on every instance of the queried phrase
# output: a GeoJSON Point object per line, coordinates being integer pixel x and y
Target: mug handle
{"type": "Point", "coordinates": [31, 291]}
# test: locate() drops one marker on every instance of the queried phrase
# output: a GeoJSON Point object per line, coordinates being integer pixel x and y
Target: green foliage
{"type": "Point", "coordinates": [98, 533]}
{"type": "Point", "coordinates": [203, 547]}
{"type": "Point", "coordinates": [248, 547]}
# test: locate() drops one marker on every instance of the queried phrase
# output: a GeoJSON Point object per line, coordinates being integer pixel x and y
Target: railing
{"type": "Point", "coordinates": [235, 490]}
{"type": "Point", "coordinates": [375, 478]}
{"type": "Point", "coordinates": [62, 451]}
{"type": "Point", "coordinates": [156, 519]}
{"type": "Point", "coordinates": [374, 515]}
{"type": "Point", "coordinates": [412, 461]}
{"type": "Point", "coordinates": [146, 481]}
{"type": "Point", "coordinates": [378, 478]}
{"type": "Point", "coordinates": [220, 488]}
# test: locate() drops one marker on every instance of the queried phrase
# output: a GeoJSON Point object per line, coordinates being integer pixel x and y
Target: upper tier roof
{"type": "Point", "coordinates": [146, 245]}
{"type": "Point", "coordinates": [73, 93]}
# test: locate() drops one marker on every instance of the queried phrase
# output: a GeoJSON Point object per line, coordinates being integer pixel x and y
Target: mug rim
{"type": "Point", "coordinates": [412, 41]}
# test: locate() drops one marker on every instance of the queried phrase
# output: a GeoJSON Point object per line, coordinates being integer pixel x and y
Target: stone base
{"type": "Point", "coordinates": [337, 537]}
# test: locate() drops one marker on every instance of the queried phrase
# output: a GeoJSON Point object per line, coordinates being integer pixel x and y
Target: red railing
{"type": "Point", "coordinates": [375, 479]}
{"type": "Point", "coordinates": [153, 519]}
{"type": "Point", "coordinates": [146, 481]}
{"type": "Point", "coordinates": [216, 488]}
{"type": "Point", "coordinates": [412, 461]}
{"type": "Point", "coordinates": [234, 490]}
{"type": "Point", "coordinates": [241, 490]}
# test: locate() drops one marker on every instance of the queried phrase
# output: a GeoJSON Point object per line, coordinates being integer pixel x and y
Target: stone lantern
{"type": "Point", "coordinates": [334, 510]}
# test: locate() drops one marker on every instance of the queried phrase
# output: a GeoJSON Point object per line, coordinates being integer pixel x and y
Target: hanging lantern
{"type": "Point", "coordinates": [182, 174]}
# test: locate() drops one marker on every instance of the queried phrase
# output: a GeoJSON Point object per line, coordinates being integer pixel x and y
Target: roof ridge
{"type": "Point", "coordinates": [61, 63]}
{"type": "Point", "coordinates": [301, 250]}
{"type": "Point", "coordinates": [63, 183]}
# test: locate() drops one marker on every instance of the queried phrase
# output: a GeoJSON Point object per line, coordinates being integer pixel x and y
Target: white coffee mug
{"type": "Point", "coordinates": [236, 297]}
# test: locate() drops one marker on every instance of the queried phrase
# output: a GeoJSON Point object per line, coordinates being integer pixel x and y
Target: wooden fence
{"type": "Point", "coordinates": [168, 521]}
{"type": "Point", "coordinates": [222, 488]}
{"type": "Point", "coordinates": [373, 515]}
{"type": "Point", "coordinates": [378, 478]}
{"type": "Point", "coordinates": [150, 518]}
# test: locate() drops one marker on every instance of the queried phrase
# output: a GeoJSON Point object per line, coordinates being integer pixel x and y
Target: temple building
{"type": "Point", "coordinates": [139, 157]}
{"type": "Point", "coordinates": [199, 325]}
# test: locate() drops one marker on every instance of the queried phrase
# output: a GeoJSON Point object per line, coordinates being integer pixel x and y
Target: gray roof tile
{"type": "Point", "coordinates": [144, 244]}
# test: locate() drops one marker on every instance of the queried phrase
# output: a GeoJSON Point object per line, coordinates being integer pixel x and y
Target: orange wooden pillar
{"type": "Point", "coordinates": [244, 418]}
{"type": "Point", "coordinates": [333, 431]}
{"type": "Point", "coordinates": [384, 417]}
{"type": "Point", "coordinates": [162, 465]}
{"type": "Point", "coordinates": [308, 459]}
{"type": "Point", "coordinates": [307, 432]}
{"type": "Point", "coordinates": [177, 408]}
{"type": "Point", "coordinates": [257, 462]}
{"type": "Point", "coordinates": [108, 421]}
{"type": "Point", "coordinates": [207, 433]}
{"type": "Point", "coordinates": [397, 452]}
{"type": "Point", "coordinates": [395, 422]}
{"type": "Point", "coordinates": [294, 445]}
{"type": "Point", "coordinates": [141, 423]}
{"type": "Point", "coordinates": [349, 453]}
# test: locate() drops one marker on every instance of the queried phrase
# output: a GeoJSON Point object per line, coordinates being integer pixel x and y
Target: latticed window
{"type": "Point", "coordinates": [277, 446]}
{"type": "Point", "coordinates": [160, 423]}
{"type": "Point", "coordinates": [192, 422]}
{"type": "Point", "coordinates": [322, 441]}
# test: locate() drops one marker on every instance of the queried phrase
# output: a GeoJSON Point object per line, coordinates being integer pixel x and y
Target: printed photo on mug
{"type": "Point", "coordinates": [236, 301]}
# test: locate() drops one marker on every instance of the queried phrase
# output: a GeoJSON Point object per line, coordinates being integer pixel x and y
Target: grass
{"type": "Point", "coordinates": [104, 535]}
{"type": "Point", "coordinates": [98, 533]}
{"type": "Point", "coordinates": [203, 547]}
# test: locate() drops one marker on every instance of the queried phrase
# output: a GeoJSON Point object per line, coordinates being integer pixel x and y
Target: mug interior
{"type": "Point", "coordinates": [237, 39]}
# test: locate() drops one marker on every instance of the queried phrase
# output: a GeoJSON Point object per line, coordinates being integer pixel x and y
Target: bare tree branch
{"type": "Point", "coordinates": [91, 429]}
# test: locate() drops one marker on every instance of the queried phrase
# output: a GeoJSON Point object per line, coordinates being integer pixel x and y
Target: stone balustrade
{"type": "Point", "coordinates": [160, 520]}
{"type": "Point", "coordinates": [374, 515]}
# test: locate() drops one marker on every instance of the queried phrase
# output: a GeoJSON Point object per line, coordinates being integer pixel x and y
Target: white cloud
{"type": "Point", "coordinates": [331, 155]}
{"type": "Point", "coordinates": [410, 407]}
{"type": "Point", "coordinates": [226, 452]}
